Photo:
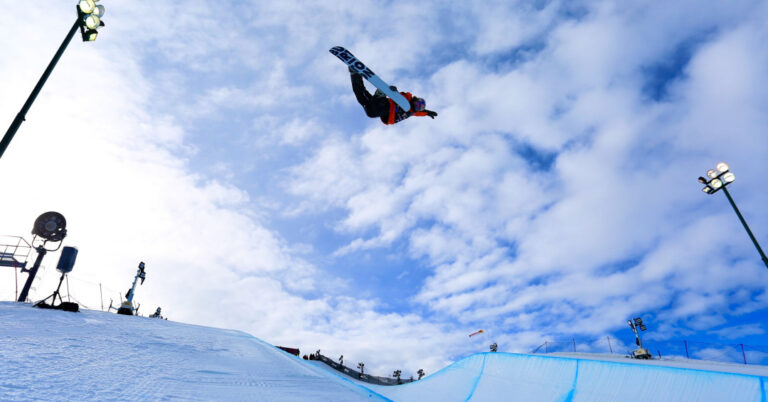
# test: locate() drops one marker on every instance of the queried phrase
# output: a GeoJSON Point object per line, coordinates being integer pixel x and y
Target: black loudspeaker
{"type": "Point", "coordinates": [67, 260]}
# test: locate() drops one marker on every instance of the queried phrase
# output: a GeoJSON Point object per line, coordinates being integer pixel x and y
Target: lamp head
{"type": "Point", "coordinates": [86, 6]}
{"type": "Point", "coordinates": [92, 21]}
{"type": "Point", "coordinates": [90, 35]}
{"type": "Point", "coordinates": [99, 11]}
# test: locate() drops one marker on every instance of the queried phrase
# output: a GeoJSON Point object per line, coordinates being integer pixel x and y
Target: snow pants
{"type": "Point", "coordinates": [374, 105]}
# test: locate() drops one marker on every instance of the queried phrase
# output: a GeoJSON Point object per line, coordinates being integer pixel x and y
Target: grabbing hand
{"type": "Point", "coordinates": [431, 114]}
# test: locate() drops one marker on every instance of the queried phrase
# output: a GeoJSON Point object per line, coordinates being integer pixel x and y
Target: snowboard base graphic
{"type": "Point", "coordinates": [350, 60]}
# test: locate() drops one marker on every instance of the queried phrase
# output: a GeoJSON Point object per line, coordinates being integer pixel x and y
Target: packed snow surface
{"type": "Point", "coordinates": [92, 355]}
{"type": "Point", "coordinates": [518, 377]}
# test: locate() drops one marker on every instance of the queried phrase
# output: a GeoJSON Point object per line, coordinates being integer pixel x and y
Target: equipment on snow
{"type": "Point", "coordinates": [126, 308]}
{"type": "Point", "coordinates": [640, 352]}
{"type": "Point", "coordinates": [50, 226]}
{"type": "Point", "coordinates": [65, 266]}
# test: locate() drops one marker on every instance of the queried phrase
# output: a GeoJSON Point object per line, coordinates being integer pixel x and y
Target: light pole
{"type": "Point", "coordinates": [88, 22]}
{"type": "Point", "coordinates": [640, 352]}
{"type": "Point", "coordinates": [719, 178]}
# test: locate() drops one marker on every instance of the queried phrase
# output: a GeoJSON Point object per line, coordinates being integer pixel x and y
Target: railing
{"type": "Point", "coordinates": [14, 251]}
{"type": "Point", "coordinates": [372, 379]}
{"type": "Point", "coordinates": [680, 349]}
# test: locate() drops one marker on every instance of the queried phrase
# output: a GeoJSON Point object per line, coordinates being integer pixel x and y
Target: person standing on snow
{"type": "Point", "coordinates": [378, 105]}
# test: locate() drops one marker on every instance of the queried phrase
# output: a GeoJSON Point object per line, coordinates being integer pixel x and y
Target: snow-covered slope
{"type": "Point", "coordinates": [92, 355]}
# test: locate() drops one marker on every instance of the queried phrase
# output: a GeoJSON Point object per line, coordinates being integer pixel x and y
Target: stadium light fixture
{"type": "Point", "coordinates": [89, 15]}
{"type": "Point", "coordinates": [719, 179]}
{"type": "Point", "coordinates": [89, 20]}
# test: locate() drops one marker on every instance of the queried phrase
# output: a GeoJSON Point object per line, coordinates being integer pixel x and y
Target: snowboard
{"type": "Point", "coordinates": [350, 60]}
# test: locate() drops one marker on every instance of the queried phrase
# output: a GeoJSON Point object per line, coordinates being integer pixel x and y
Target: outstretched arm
{"type": "Point", "coordinates": [426, 113]}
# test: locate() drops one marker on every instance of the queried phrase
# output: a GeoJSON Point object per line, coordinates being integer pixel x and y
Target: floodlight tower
{"type": "Point", "coordinates": [640, 352]}
{"type": "Point", "coordinates": [50, 226]}
{"type": "Point", "coordinates": [719, 179]}
{"type": "Point", "coordinates": [88, 22]}
{"type": "Point", "coordinates": [127, 307]}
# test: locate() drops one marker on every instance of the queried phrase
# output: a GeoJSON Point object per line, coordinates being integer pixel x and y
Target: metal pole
{"type": "Point", "coordinates": [744, 355]}
{"type": "Point", "coordinates": [16, 279]}
{"type": "Point", "coordinates": [67, 290]}
{"type": "Point", "coordinates": [609, 344]}
{"type": "Point", "coordinates": [749, 232]}
{"type": "Point", "coordinates": [574, 344]}
{"type": "Point", "coordinates": [56, 293]}
{"type": "Point", "coordinates": [41, 251]}
{"type": "Point", "coordinates": [686, 349]}
{"type": "Point", "coordinates": [22, 114]}
{"type": "Point", "coordinates": [101, 296]}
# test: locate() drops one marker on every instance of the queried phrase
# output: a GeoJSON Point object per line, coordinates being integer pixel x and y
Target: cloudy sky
{"type": "Point", "coordinates": [554, 196]}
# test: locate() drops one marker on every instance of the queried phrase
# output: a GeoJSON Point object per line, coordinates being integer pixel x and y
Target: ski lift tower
{"type": "Point", "coordinates": [127, 307]}
{"type": "Point", "coordinates": [640, 352]}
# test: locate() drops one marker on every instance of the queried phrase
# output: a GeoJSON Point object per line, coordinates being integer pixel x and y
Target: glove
{"type": "Point", "coordinates": [431, 114]}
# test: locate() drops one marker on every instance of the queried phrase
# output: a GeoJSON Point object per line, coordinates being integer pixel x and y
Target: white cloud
{"type": "Point", "coordinates": [621, 190]}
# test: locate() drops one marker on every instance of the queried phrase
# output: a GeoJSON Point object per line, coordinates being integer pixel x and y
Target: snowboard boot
{"type": "Point", "coordinates": [382, 94]}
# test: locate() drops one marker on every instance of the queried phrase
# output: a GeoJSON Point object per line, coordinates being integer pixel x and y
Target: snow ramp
{"type": "Point", "coordinates": [92, 355]}
{"type": "Point", "coordinates": [518, 377]}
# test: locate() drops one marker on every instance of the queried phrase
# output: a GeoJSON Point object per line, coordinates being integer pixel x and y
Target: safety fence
{"type": "Point", "coordinates": [677, 349]}
{"type": "Point", "coordinates": [372, 379]}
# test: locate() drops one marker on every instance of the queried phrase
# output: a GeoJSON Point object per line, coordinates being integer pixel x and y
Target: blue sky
{"type": "Point", "coordinates": [555, 195]}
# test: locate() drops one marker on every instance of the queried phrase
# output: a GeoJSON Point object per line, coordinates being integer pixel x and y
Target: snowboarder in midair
{"type": "Point", "coordinates": [378, 105]}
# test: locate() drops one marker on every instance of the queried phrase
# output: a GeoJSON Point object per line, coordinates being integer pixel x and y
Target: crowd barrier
{"type": "Point", "coordinates": [675, 349]}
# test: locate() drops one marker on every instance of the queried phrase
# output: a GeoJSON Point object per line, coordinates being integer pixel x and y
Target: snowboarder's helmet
{"type": "Point", "coordinates": [418, 104]}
